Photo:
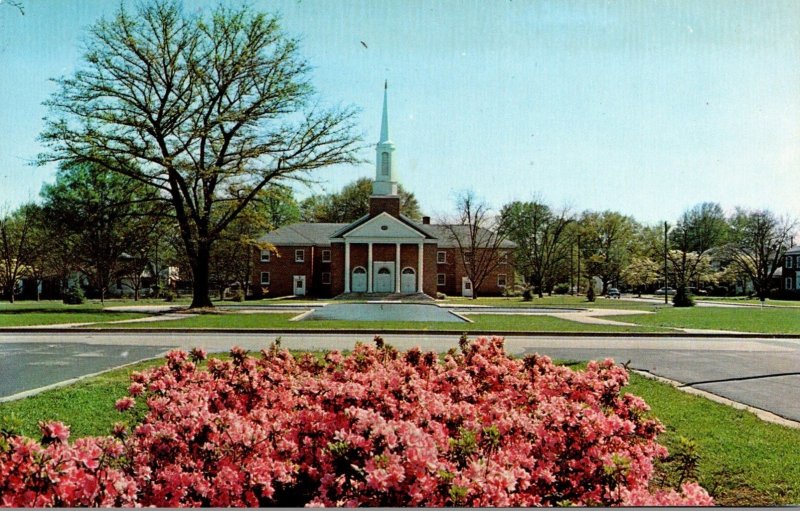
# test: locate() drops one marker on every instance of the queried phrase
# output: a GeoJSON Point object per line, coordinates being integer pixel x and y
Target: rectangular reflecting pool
{"type": "Point", "coordinates": [383, 312]}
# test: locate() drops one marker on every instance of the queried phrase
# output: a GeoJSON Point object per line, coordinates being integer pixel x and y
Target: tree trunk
{"type": "Point", "coordinates": [200, 264]}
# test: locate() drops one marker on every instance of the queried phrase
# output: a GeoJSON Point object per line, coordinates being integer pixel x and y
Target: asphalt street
{"type": "Point", "coordinates": [762, 373]}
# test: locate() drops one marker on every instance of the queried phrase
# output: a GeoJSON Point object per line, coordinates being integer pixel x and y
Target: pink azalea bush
{"type": "Point", "coordinates": [376, 427]}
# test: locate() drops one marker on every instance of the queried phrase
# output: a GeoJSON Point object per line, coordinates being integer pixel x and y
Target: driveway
{"type": "Point", "coordinates": [762, 373]}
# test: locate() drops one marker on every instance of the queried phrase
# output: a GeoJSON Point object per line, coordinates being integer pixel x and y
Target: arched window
{"type": "Point", "coordinates": [408, 271]}
{"type": "Point", "coordinates": [384, 271]}
{"type": "Point", "coordinates": [385, 163]}
{"type": "Point", "coordinates": [359, 270]}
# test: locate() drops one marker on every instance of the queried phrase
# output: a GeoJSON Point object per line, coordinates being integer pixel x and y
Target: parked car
{"type": "Point", "coordinates": [612, 292]}
{"type": "Point", "coordinates": [696, 292]}
{"type": "Point", "coordinates": [667, 291]}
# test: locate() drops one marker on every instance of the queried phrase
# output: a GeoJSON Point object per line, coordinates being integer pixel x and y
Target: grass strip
{"type": "Point", "coordinates": [767, 320]}
{"type": "Point", "coordinates": [744, 461]}
{"type": "Point", "coordinates": [19, 318]}
{"type": "Point", "coordinates": [480, 323]}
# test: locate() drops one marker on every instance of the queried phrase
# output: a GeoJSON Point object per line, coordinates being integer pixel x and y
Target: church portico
{"type": "Point", "coordinates": [384, 266]}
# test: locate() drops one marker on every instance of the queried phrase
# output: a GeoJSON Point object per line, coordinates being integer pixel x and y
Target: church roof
{"type": "Point", "coordinates": [303, 233]}
{"type": "Point", "coordinates": [320, 234]}
{"type": "Point", "coordinates": [447, 234]}
{"type": "Point", "coordinates": [364, 219]}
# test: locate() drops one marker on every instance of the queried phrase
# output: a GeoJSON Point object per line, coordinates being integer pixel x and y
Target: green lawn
{"type": "Point", "coordinates": [86, 406]}
{"type": "Point", "coordinates": [743, 460]}
{"type": "Point", "coordinates": [32, 316]}
{"type": "Point", "coordinates": [748, 301]}
{"type": "Point", "coordinates": [768, 320]}
{"type": "Point", "coordinates": [577, 302]}
{"type": "Point", "coordinates": [494, 323]}
{"type": "Point", "coordinates": [746, 319]}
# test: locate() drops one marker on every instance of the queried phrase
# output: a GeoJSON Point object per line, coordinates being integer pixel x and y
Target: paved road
{"type": "Point", "coordinates": [763, 373]}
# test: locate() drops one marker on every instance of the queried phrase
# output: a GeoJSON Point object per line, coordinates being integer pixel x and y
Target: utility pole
{"type": "Point", "coordinates": [571, 275]}
{"type": "Point", "coordinates": [666, 302]}
{"type": "Point", "coordinates": [578, 287]}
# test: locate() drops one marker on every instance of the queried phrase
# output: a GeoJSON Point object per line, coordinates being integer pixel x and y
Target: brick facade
{"type": "Point", "coordinates": [283, 267]}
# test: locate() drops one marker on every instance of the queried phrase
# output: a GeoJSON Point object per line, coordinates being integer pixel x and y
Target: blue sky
{"type": "Point", "coordinates": [644, 107]}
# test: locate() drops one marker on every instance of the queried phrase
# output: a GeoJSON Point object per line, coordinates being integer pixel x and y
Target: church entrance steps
{"type": "Point", "coordinates": [385, 297]}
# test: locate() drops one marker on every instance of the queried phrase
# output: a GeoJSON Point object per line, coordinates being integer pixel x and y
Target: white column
{"type": "Point", "coordinates": [369, 267]}
{"type": "Point", "coordinates": [419, 264]}
{"type": "Point", "coordinates": [397, 269]}
{"type": "Point", "coordinates": [346, 266]}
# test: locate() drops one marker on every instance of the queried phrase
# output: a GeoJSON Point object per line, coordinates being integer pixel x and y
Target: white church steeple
{"type": "Point", "coordinates": [385, 178]}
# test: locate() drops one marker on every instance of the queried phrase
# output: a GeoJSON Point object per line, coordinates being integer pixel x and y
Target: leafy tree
{"type": "Point", "coordinates": [757, 244]}
{"type": "Point", "coordinates": [543, 244]}
{"type": "Point", "coordinates": [607, 240]}
{"type": "Point", "coordinates": [232, 257]}
{"type": "Point", "coordinates": [206, 110]}
{"type": "Point", "coordinates": [690, 268]}
{"type": "Point", "coordinates": [103, 218]}
{"type": "Point", "coordinates": [41, 257]}
{"type": "Point", "coordinates": [640, 272]}
{"type": "Point", "coordinates": [700, 228]}
{"type": "Point", "coordinates": [14, 244]}
{"type": "Point", "coordinates": [352, 202]}
{"type": "Point", "coordinates": [698, 232]}
{"type": "Point", "coordinates": [479, 237]}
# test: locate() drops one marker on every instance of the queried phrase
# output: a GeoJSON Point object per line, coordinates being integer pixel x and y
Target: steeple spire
{"type": "Point", "coordinates": [385, 119]}
{"type": "Point", "coordinates": [385, 178]}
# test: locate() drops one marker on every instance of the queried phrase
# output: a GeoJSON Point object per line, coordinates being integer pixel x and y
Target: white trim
{"type": "Point", "coordinates": [324, 260]}
{"type": "Point", "coordinates": [443, 259]}
{"type": "Point", "coordinates": [370, 269]}
{"type": "Point", "coordinates": [265, 256]}
{"type": "Point", "coordinates": [302, 253]}
{"type": "Point", "coordinates": [397, 230]}
{"type": "Point", "coordinates": [788, 261]}
{"type": "Point", "coordinates": [347, 275]}
{"type": "Point", "coordinates": [505, 280]}
{"type": "Point", "coordinates": [441, 279]}
{"type": "Point", "coordinates": [326, 274]}
{"type": "Point", "coordinates": [397, 265]}
{"type": "Point", "coordinates": [267, 283]}
{"type": "Point", "coordinates": [788, 283]}
{"type": "Point", "coordinates": [420, 259]}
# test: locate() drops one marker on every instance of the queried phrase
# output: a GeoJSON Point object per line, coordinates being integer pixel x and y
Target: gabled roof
{"type": "Point", "coordinates": [445, 234]}
{"type": "Point", "coordinates": [402, 218]}
{"type": "Point", "coordinates": [320, 234]}
{"type": "Point", "coordinates": [302, 233]}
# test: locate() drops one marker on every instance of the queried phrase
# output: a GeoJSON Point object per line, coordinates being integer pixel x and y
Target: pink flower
{"type": "Point", "coordinates": [54, 431]}
{"type": "Point", "coordinates": [135, 389]}
{"type": "Point", "coordinates": [198, 354]}
{"type": "Point", "coordinates": [125, 403]}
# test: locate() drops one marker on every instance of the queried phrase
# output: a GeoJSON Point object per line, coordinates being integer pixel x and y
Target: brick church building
{"type": "Point", "coordinates": [383, 252]}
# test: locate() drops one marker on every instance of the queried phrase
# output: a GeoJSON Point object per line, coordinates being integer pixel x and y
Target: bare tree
{"type": "Point", "coordinates": [479, 237]}
{"type": "Point", "coordinates": [758, 242]}
{"type": "Point", "coordinates": [206, 110]}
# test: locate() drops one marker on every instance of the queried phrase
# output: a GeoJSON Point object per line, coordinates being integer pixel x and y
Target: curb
{"type": "Point", "coordinates": [762, 414]}
{"type": "Point", "coordinates": [501, 333]}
